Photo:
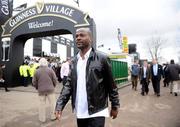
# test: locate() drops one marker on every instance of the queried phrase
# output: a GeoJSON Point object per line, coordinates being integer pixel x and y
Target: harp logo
{"type": "Point", "coordinates": [40, 6]}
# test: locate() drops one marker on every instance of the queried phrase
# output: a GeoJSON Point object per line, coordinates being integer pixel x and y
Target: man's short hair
{"type": "Point", "coordinates": [68, 58]}
{"type": "Point", "coordinates": [85, 29]}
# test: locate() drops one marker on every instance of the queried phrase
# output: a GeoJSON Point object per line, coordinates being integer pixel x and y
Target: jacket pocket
{"type": "Point", "coordinates": [96, 74]}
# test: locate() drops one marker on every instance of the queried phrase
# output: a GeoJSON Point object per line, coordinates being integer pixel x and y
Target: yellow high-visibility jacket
{"type": "Point", "coordinates": [24, 70]}
{"type": "Point", "coordinates": [20, 70]}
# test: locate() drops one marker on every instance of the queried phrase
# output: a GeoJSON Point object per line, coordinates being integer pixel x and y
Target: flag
{"type": "Point", "coordinates": [5, 10]}
{"type": "Point", "coordinates": [77, 1]}
{"type": "Point", "coordinates": [120, 38]}
{"type": "Point", "coordinates": [21, 7]}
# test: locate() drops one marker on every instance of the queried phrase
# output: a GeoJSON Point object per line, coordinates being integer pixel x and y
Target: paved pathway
{"type": "Point", "coordinates": [18, 108]}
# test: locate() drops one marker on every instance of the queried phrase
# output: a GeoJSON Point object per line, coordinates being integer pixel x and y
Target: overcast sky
{"type": "Point", "coordinates": [138, 20]}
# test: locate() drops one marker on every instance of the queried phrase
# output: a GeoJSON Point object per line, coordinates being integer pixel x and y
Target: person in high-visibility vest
{"type": "Point", "coordinates": [36, 65]}
{"type": "Point", "coordinates": [32, 69]}
{"type": "Point", "coordinates": [24, 72]}
{"type": "Point", "coordinates": [21, 73]}
{"type": "Point", "coordinates": [20, 70]}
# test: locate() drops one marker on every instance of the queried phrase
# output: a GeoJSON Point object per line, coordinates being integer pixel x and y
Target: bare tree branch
{"type": "Point", "coordinates": [154, 45]}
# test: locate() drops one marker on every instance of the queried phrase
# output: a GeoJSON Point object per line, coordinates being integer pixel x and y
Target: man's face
{"type": "Point", "coordinates": [136, 62]}
{"type": "Point", "coordinates": [145, 64]}
{"type": "Point", "coordinates": [83, 39]}
{"type": "Point", "coordinates": [154, 61]}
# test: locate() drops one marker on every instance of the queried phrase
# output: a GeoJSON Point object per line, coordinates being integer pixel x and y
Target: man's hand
{"type": "Point", "coordinates": [58, 114]}
{"type": "Point", "coordinates": [114, 113]}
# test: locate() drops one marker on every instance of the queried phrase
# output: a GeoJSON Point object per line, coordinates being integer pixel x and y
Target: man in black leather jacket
{"type": "Point", "coordinates": [89, 85]}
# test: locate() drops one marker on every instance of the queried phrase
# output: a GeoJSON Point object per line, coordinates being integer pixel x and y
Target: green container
{"type": "Point", "coordinates": [120, 71]}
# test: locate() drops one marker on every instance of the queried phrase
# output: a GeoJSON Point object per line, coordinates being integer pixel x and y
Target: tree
{"type": "Point", "coordinates": [155, 45]}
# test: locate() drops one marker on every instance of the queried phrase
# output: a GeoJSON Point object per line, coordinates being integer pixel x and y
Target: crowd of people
{"type": "Point", "coordinates": [44, 74]}
{"type": "Point", "coordinates": [87, 79]}
{"type": "Point", "coordinates": [29, 67]}
{"type": "Point", "coordinates": [153, 73]}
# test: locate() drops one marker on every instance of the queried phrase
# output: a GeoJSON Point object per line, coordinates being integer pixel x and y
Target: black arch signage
{"type": "Point", "coordinates": [43, 19]}
{"type": "Point", "coordinates": [72, 14]}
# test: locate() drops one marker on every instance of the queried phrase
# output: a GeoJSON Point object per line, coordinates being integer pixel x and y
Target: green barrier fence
{"type": "Point", "coordinates": [120, 71]}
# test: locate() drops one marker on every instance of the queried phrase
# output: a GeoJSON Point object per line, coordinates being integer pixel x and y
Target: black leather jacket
{"type": "Point", "coordinates": [99, 84]}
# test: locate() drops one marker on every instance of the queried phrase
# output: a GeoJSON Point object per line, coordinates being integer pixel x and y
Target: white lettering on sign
{"type": "Point", "coordinates": [36, 24]}
{"type": "Point", "coordinates": [4, 7]}
{"type": "Point", "coordinates": [60, 10]}
{"type": "Point", "coordinates": [22, 16]}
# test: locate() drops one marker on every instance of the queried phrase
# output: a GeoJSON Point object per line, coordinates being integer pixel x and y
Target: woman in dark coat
{"type": "Point", "coordinates": [2, 79]}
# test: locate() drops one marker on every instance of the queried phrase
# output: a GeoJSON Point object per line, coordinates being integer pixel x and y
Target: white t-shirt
{"type": "Point", "coordinates": [64, 69]}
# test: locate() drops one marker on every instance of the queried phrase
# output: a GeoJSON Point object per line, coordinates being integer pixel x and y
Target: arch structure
{"type": "Point", "coordinates": [40, 20]}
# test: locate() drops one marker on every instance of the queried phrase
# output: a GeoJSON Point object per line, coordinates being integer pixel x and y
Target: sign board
{"type": "Point", "coordinates": [114, 56]}
{"type": "Point", "coordinates": [40, 20]}
{"type": "Point", "coordinates": [125, 44]}
{"type": "Point", "coordinates": [72, 14]}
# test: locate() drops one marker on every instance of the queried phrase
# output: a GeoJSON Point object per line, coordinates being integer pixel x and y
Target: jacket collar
{"type": "Point", "coordinates": [86, 55]}
{"type": "Point", "coordinates": [90, 55]}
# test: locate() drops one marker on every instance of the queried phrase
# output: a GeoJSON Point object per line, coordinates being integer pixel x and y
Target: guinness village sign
{"type": "Point", "coordinates": [43, 19]}
{"type": "Point", "coordinates": [45, 10]}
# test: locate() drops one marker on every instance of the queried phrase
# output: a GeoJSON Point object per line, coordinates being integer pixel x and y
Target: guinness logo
{"type": "Point", "coordinates": [40, 6]}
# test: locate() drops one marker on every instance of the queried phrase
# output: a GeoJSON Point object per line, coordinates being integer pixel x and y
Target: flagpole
{"type": "Point", "coordinates": [77, 1]}
{"type": "Point", "coordinates": [120, 38]}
